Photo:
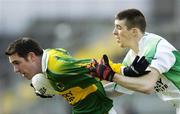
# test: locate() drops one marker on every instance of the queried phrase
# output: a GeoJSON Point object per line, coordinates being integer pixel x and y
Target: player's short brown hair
{"type": "Point", "coordinates": [134, 18]}
{"type": "Point", "coordinates": [23, 46]}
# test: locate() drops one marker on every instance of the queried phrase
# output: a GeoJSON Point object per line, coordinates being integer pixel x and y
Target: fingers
{"type": "Point", "coordinates": [140, 64]}
{"type": "Point", "coordinates": [101, 61]}
{"type": "Point", "coordinates": [135, 60]}
{"type": "Point", "coordinates": [106, 60]}
{"type": "Point", "coordinates": [92, 66]}
{"type": "Point", "coordinates": [94, 62]}
{"type": "Point", "coordinates": [43, 96]}
{"type": "Point", "coordinates": [146, 63]}
{"type": "Point", "coordinates": [31, 85]}
{"type": "Point", "coordinates": [100, 70]}
{"type": "Point", "coordinates": [143, 61]}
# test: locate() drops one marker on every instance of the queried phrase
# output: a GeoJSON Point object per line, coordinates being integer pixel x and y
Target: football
{"type": "Point", "coordinates": [42, 85]}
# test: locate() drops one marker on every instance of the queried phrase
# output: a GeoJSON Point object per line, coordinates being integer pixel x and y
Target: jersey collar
{"type": "Point", "coordinates": [44, 61]}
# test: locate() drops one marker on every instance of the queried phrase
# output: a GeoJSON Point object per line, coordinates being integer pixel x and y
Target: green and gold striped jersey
{"type": "Point", "coordinates": [70, 77]}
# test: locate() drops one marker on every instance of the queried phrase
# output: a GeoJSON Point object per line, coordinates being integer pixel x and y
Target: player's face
{"type": "Point", "coordinates": [122, 34]}
{"type": "Point", "coordinates": [26, 67]}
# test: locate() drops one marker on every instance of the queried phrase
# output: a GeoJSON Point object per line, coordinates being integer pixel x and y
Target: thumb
{"type": "Point", "coordinates": [106, 60]}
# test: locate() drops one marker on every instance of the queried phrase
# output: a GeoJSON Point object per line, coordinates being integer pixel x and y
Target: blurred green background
{"type": "Point", "coordinates": [84, 28]}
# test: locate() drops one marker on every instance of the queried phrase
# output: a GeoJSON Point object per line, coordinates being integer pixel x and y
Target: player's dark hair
{"type": "Point", "coordinates": [23, 46]}
{"type": "Point", "coordinates": [134, 18]}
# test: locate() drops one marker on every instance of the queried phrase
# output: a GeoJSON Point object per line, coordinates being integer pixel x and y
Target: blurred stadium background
{"type": "Point", "coordinates": [83, 27]}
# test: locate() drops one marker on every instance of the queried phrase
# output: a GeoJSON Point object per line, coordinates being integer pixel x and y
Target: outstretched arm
{"type": "Point", "coordinates": [104, 70]}
{"type": "Point", "coordinates": [144, 84]}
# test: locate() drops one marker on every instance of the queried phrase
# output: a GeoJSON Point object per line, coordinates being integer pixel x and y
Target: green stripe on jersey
{"type": "Point", "coordinates": [174, 73]}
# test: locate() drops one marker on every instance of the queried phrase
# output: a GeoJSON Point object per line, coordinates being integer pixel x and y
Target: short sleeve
{"type": "Point", "coordinates": [164, 59]}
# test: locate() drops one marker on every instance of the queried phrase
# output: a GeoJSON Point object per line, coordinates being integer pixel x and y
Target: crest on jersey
{"type": "Point", "coordinates": [60, 86]}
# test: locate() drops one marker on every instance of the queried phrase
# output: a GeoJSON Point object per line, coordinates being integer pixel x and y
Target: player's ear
{"type": "Point", "coordinates": [31, 56]}
{"type": "Point", "coordinates": [134, 31]}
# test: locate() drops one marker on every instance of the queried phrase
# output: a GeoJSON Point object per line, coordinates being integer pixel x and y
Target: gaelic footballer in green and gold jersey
{"type": "Point", "coordinates": [69, 76]}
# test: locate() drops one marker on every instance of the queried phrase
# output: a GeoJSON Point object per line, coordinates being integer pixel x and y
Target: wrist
{"type": "Point", "coordinates": [122, 70]}
{"type": "Point", "coordinates": [110, 76]}
{"type": "Point", "coordinates": [115, 77]}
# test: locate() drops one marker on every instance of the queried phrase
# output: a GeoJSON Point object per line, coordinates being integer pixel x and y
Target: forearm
{"type": "Point", "coordinates": [144, 84]}
{"type": "Point", "coordinates": [130, 82]}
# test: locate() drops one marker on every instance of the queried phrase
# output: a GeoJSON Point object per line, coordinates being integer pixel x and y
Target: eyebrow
{"type": "Point", "coordinates": [13, 62]}
{"type": "Point", "coordinates": [117, 25]}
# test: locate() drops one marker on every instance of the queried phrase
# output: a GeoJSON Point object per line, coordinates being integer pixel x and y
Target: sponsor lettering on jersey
{"type": "Point", "coordinates": [160, 86]}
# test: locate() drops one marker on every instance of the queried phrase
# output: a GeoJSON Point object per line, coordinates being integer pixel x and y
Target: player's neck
{"type": "Point", "coordinates": [135, 45]}
{"type": "Point", "coordinates": [135, 48]}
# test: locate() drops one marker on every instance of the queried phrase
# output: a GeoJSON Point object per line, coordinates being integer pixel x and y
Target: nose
{"type": "Point", "coordinates": [114, 31]}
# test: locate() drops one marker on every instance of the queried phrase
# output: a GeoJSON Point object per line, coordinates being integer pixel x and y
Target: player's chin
{"type": "Point", "coordinates": [120, 44]}
{"type": "Point", "coordinates": [27, 76]}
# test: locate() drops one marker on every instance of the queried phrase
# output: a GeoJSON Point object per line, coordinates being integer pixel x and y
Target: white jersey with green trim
{"type": "Point", "coordinates": [160, 53]}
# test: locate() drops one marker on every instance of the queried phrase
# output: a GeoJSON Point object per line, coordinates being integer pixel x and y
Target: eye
{"type": "Point", "coordinates": [16, 63]}
{"type": "Point", "coordinates": [118, 27]}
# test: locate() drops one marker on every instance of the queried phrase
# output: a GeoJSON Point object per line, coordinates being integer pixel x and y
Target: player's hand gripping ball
{"type": "Point", "coordinates": [42, 86]}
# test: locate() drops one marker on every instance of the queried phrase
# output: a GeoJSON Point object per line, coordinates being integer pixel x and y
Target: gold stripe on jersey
{"type": "Point", "coordinates": [53, 65]}
{"type": "Point", "coordinates": [76, 94]}
{"type": "Point", "coordinates": [60, 62]}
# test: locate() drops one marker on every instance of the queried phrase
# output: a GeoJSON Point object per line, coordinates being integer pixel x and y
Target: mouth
{"type": "Point", "coordinates": [118, 41]}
